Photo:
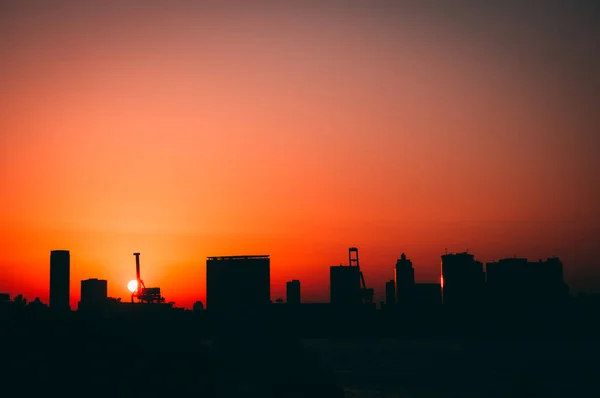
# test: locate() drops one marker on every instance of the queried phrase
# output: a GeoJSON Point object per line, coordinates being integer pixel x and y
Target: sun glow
{"type": "Point", "coordinates": [132, 285]}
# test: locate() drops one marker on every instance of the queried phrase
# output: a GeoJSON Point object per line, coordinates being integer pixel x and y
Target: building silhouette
{"type": "Point", "coordinates": [462, 281]}
{"type": "Point", "coordinates": [237, 284]}
{"type": "Point", "coordinates": [516, 284]}
{"type": "Point", "coordinates": [60, 277]}
{"type": "Point", "coordinates": [390, 293]}
{"type": "Point", "coordinates": [94, 294]}
{"type": "Point", "coordinates": [508, 283]}
{"type": "Point", "coordinates": [552, 282]}
{"type": "Point", "coordinates": [345, 286]}
{"type": "Point", "coordinates": [404, 276]}
{"type": "Point", "coordinates": [292, 292]}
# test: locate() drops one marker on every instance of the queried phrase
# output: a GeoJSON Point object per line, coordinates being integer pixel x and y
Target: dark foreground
{"type": "Point", "coordinates": [465, 367]}
{"type": "Point", "coordinates": [152, 360]}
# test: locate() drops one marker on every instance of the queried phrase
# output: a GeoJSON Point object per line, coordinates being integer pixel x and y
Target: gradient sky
{"type": "Point", "coordinates": [185, 131]}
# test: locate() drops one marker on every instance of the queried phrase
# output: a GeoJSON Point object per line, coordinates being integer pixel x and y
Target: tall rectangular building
{"type": "Point", "coordinates": [94, 293]}
{"type": "Point", "coordinates": [390, 293]}
{"type": "Point", "coordinates": [344, 286]}
{"type": "Point", "coordinates": [292, 292]}
{"type": "Point", "coordinates": [509, 283]}
{"type": "Point", "coordinates": [462, 281]}
{"type": "Point", "coordinates": [238, 284]}
{"type": "Point", "coordinates": [404, 275]}
{"type": "Point", "coordinates": [60, 278]}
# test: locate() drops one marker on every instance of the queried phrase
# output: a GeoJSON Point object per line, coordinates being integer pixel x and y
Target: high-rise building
{"type": "Point", "coordinates": [344, 286]}
{"type": "Point", "coordinates": [508, 283]}
{"type": "Point", "coordinates": [238, 284]}
{"type": "Point", "coordinates": [462, 281]}
{"type": "Point", "coordinates": [94, 293]}
{"type": "Point", "coordinates": [404, 275]}
{"type": "Point", "coordinates": [517, 284]}
{"type": "Point", "coordinates": [390, 293]}
{"type": "Point", "coordinates": [60, 278]}
{"type": "Point", "coordinates": [292, 292]}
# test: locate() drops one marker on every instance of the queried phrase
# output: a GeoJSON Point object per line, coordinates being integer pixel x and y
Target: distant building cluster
{"type": "Point", "coordinates": [508, 284]}
{"type": "Point", "coordinates": [236, 284]}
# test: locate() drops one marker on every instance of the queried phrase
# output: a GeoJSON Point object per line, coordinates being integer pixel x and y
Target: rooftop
{"type": "Point", "coordinates": [458, 254]}
{"type": "Point", "coordinates": [247, 257]}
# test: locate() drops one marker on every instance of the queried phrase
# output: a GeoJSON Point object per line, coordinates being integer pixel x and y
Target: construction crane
{"type": "Point", "coordinates": [142, 293]}
{"type": "Point", "coordinates": [140, 283]}
{"type": "Point", "coordinates": [367, 294]}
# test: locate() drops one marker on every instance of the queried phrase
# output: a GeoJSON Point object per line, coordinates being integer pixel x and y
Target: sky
{"type": "Point", "coordinates": [183, 131]}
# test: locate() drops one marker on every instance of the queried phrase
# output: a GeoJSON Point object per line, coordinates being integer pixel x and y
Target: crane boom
{"type": "Point", "coordinates": [137, 268]}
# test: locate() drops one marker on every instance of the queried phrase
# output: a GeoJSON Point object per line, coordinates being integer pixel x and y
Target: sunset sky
{"type": "Point", "coordinates": [183, 131]}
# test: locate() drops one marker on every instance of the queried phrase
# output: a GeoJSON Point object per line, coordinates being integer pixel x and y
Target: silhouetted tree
{"type": "Point", "coordinates": [198, 306]}
{"type": "Point", "coordinates": [279, 301]}
{"type": "Point", "coordinates": [20, 301]}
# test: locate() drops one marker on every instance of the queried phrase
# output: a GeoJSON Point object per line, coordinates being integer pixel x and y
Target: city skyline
{"type": "Point", "coordinates": [381, 295]}
{"type": "Point", "coordinates": [185, 131]}
{"type": "Point", "coordinates": [191, 183]}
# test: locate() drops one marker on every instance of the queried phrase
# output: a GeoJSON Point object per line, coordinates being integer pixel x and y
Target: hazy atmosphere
{"type": "Point", "coordinates": [183, 131]}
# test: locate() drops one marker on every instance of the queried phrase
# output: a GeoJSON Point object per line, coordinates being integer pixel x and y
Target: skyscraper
{"type": "Point", "coordinates": [462, 281]}
{"type": "Point", "coordinates": [404, 275]}
{"type": "Point", "coordinates": [292, 292]}
{"type": "Point", "coordinates": [344, 286]}
{"type": "Point", "coordinates": [237, 284]}
{"type": "Point", "coordinates": [390, 293]}
{"type": "Point", "coordinates": [60, 278]}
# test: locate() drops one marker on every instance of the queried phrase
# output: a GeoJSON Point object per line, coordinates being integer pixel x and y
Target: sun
{"type": "Point", "coordinates": [132, 285]}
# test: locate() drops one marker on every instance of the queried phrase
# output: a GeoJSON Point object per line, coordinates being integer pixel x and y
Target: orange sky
{"type": "Point", "coordinates": [182, 133]}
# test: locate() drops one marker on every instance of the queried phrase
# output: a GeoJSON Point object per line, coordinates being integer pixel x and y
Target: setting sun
{"type": "Point", "coordinates": [458, 134]}
{"type": "Point", "coordinates": [132, 285]}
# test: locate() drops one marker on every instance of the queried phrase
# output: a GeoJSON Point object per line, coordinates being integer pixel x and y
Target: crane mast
{"type": "Point", "coordinates": [150, 295]}
{"type": "Point", "coordinates": [367, 294]}
{"type": "Point", "coordinates": [139, 292]}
